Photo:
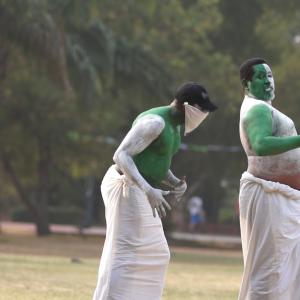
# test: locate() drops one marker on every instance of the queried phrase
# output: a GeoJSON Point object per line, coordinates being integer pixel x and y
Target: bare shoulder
{"type": "Point", "coordinates": [150, 124]}
{"type": "Point", "coordinates": [259, 111]}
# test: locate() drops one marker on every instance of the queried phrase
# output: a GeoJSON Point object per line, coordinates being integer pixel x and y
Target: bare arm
{"type": "Point", "coordinates": [171, 180]}
{"type": "Point", "coordinates": [258, 124]}
{"type": "Point", "coordinates": [178, 186]}
{"type": "Point", "coordinates": [140, 136]}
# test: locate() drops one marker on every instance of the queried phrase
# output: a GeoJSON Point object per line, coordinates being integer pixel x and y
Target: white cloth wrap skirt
{"type": "Point", "coordinates": [270, 231]}
{"type": "Point", "coordinates": [135, 255]}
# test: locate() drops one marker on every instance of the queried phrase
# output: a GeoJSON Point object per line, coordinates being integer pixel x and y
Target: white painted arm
{"type": "Point", "coordinates": [171, 180]}
{"type": "Point", "coordinates": [179, 186]}
{"type": "Point", "coordinates": [139, 137]}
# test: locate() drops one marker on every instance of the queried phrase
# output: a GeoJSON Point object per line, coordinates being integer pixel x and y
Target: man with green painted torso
{"type": "Point", "coordinates": [269, 199]}
{"type": "Point", "coordinates": [268, 136]}
{"type": "Point", "coordinates": [135, 255]}
{"type": "Point", "coordinates": [160, 152]}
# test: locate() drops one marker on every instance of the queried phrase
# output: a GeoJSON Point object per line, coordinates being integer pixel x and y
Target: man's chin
{"type": "Point", "coordinates": [269, 97]}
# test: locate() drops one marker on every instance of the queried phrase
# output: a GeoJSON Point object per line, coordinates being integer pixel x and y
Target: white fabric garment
{"type": "Point", "coordinates": [193, 117]}
{"type": "Point", "coordinates": [270, 231]}
{"type": "Point", "coordinates": [135, 253]}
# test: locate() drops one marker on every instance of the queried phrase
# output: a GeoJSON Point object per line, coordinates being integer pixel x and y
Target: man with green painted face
{"type": "Point", "coordinates": [269, 199]}
{"type": "Point", "coordinates": [135, 254]}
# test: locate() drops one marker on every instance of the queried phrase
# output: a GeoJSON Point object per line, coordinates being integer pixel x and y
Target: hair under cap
{"type": "Point", "coordinates": [246, 69]}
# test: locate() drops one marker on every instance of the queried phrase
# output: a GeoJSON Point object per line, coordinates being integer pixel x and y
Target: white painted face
{"type": "Point", "coordinates": [271, 89]}
{"type": "Point", "coordinates": [193, 117]}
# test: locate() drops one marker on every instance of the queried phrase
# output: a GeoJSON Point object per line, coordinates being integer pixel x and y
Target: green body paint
{"type": "Point", "coordinates": [258, 121]}
{"type": "Point", "coordinates": [258, 124]}
{"type": "Point", "coordinates": [262, 84]}
{"type": "Point", "coordinates": [154, 162]}
{"type": "Point", "coordinates": [268, 136]}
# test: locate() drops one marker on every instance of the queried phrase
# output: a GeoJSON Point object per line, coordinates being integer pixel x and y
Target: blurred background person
{"type": "Point", "coordinates": [196, 213]}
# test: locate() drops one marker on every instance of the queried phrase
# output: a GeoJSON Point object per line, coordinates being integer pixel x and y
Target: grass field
{"type": "Point", "coordinates": [62, 267]}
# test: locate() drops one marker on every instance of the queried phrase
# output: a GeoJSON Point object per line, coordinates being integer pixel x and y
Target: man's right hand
{"type": "Point", "coordinates": [158, 202]}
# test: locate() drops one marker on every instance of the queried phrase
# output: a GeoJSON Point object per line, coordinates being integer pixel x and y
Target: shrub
{"type": "Point", "coordinates": [56, 215]}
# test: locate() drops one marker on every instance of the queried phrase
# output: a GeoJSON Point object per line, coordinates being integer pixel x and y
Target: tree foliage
{"type": "Point", "coordinates": [74, 74]}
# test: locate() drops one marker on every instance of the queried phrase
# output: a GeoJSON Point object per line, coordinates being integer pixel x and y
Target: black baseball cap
{"type": "Point", "coordinates": [194, 93]}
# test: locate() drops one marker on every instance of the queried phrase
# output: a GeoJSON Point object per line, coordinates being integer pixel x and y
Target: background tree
{"type": "Point", "coordinates": [74, 74]}
{"type": "Point", "coordinates": [50, 121]}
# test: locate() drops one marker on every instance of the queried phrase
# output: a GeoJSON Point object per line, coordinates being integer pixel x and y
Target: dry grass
{"type": "Point", "coordinates": [42, 269]}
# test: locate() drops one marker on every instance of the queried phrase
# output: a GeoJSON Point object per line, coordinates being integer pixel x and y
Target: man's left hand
{"type": "Point", "coordinates": [179, 189]}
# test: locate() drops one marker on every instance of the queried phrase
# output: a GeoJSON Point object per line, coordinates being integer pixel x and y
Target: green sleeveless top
{"type": "Point", "coordinates": [154, 162]}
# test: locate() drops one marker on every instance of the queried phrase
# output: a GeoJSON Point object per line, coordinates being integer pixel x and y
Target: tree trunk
{"type": "Point", "coordinates": [39, 209]}
{"type": "Point", "coordinates": [42, 226]}
{"type": "Point", "coordinates": [42, 194]}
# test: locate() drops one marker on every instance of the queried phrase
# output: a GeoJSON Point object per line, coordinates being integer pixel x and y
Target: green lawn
{"type": "Point", "coordinates": [42, 269]}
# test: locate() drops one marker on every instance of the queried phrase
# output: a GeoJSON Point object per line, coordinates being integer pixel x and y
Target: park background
{"type": "Point", "coordinates": [74, 74]}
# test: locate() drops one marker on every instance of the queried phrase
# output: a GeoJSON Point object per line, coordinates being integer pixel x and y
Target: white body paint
{"type": "Point", "coordinates": [140, 136]}
{"type": "Point", "coordinates": [178, 186]}
{"type": "Point", "coordinates": [271, 81]}
{"type": "Point", "coordinates": [285, 167]}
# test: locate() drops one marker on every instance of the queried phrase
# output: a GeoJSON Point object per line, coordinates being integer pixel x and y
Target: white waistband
{"type": "Point", "coordinates": [271, 186]}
